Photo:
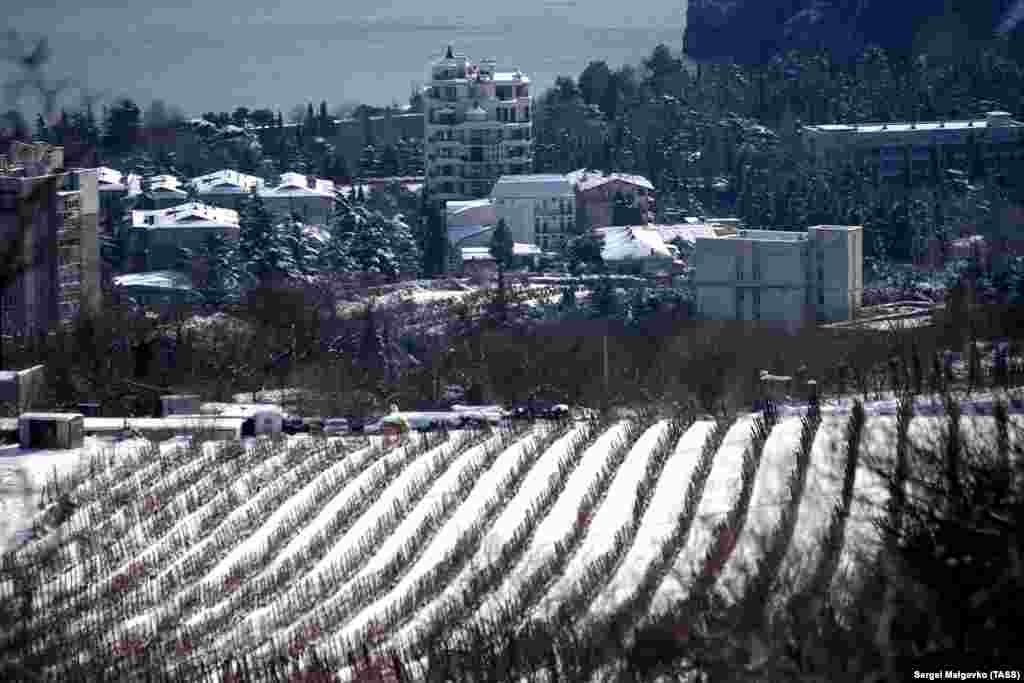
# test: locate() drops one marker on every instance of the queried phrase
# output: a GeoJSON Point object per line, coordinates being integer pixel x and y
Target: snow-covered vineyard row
{"type": "Point", "coordinates": [184, 554]}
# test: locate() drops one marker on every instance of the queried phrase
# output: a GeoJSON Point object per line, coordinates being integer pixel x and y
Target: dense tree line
{"type": "Point", "coordinates": [722, 139]}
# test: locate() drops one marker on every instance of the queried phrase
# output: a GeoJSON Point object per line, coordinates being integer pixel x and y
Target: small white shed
{"type": "Point", "coordinates": [51, 430]}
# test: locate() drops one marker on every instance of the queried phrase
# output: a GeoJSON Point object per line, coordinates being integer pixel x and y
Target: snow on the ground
{"type": "Point", "coordinates": [444, 485]}
{"type": "Point", "coordinates": [384, 503]}
{"type": "Point", "coordinates": [24, 473]}
{"type": "Point", "coordinates": [614, 512]}
{"type": "Point", "coordinates": [663, 511]}
{"type": "Point", "coordinates": [191, 521]}
{"type": "Point", "coordinates": [326, 514]}
{"type": "Point", "coordinates": [465, 516]}
{"type": "Point", "coordinates": [254, 544]}
{"type": "Point", "coordinates": [768, 499]}
{"type": "Point", "coordinates": [977, 403]}
{"type": "Point", "coordinates": [720, 493]}
{"type": "Point", "coordinates": [561, 518]}
{"type": "Point", "coordinates": [252, 503]}
{"type": "Point", "coordinates": [394, 493]}
{"type": "Point", "coordinates": [502, 531]}
{"type": "Point", "coordinates": [862, 538]}
{"type": "Point", "coordinates": [822, 492]}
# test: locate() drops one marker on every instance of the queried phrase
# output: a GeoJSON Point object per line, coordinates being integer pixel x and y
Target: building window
{"type": "Point", "coordinates": [739, 266]}
{"type": "Point", "coordinates": [757, 304]}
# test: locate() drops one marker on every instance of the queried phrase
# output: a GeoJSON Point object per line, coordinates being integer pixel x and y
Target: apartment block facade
{"type": "Point", "coordinates": [792, 277]}
{"type": "Point", "coordinates": [538, 209]}
{"type": "Point", "coordinates": [477, 125]}
{"type": "Point", "coordinates": [51, 216]}
{"type": "Point", "coordinates": [921, 151]}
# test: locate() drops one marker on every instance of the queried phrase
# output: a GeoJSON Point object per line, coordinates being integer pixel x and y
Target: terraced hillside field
{"type": "Point", "coordinates": [300, 551]}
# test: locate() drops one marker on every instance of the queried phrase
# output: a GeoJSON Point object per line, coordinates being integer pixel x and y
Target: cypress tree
{"type": "Point", "coordinates": [501, 249]}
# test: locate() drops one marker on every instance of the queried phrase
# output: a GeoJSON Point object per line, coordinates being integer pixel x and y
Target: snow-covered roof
{"type": "Point", "coordinates": [511, 76]}
{"type": "Point", "coordinates": [454, 208]}
{"type": "Point", "coordinates": [347, 189]}
{"type": "Point", "coordinates": [158, 279]}
{"type": "Point", "coordinates": [297, 185]}
{"type": "Point", "coordinates": [169, 180]}
{"type": "Point", "coordinates": [633, 242]}
{"type": "Point", "coordinates": [993, 119]}
{"type": "Point", "coordinates": [584, 179]}
{"type": "Point", "coordinates": [226, 182]}
{"type": "Point", "coordinates": [484, 253]}
{"type": "Point", "coordinates": [532, 185]}
{"type": "Point", "coordinates": [688, 232]}
{"type": "Point", "coordinates": [111, 179]}
{"type": "Point", "coordinates": [458, 233]}
{"type": "Point", "coordinates": [190, 215]}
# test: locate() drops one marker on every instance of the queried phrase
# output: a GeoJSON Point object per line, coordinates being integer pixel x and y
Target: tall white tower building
{"type": "Point", "coordinates": [478, 127]}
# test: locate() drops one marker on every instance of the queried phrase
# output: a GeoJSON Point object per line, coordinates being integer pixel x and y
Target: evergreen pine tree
{"type": "Point", "coordinates": [407, 256]}
{"type": "Point", "coordinates": [302, 252]}
{"type": "Point", "coordinates": [371, 247]}
{"type": "Point", "coordinates": [258, 245]}
{"type": "Point", "coordinates": [584, 247]}
{"type": "Point", "coordinates": [336, 256]}
{"type": "Point", "coordinates": [222, 270]}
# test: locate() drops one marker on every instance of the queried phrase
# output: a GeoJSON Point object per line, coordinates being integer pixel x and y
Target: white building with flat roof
{"type": "Point", "coordinates": [537, 208]}
{"type": "Point", "coordinates": [477, 126]}
{"type": "Point", "coordinates": [795, 277]}
{"type": "Point", "coordinates": [920, 149]}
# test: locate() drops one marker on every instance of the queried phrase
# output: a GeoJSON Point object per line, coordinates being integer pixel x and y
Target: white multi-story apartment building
{"type": "Point", "coordinates": [920, 150]}
{"type": "Point", "coordinates": [226, 188]}
{"type": "Point", "coordinates": [776, 275]}
{"type": "Point", "coordinates": [538, 209]}
{"type": "Point", "coordinates": [477, 123]}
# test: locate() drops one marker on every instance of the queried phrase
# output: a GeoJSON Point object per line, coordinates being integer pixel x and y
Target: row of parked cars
{"type": "Point", "coordinates": [450, 417]}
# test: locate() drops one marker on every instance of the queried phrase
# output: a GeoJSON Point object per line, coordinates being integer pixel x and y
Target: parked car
{"type": "Point", "coordinates": [540, 410]}
{"type": "Point", "coordinates": [336, 425]}
{"type": "Point", "coordinates": [293, 425]}
{"type": "Point", "coordinates": [313, 424]}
